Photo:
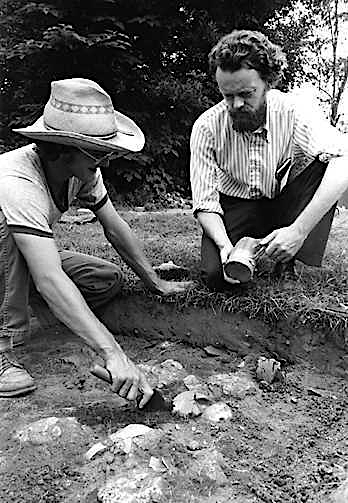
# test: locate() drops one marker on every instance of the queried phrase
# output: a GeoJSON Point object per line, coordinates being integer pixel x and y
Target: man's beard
{"type": "Point", "coordinates": [248, 121]}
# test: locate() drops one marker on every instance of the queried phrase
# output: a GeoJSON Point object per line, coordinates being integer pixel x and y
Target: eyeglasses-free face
{"type": "Point", "coordinates": [101, 161]}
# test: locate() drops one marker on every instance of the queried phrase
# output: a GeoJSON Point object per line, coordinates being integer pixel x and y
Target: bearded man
{"type": "Point", "coordinates": [261, 165]}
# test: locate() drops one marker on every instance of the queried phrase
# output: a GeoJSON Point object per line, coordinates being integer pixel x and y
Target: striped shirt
{"type": "Point", "coordinates": [244, 164]}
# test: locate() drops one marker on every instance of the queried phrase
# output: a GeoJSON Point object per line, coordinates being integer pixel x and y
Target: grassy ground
{"type": "Point", "coordinates": [317, 299]}
{"type": "Point", "coordinates": [284, 444]}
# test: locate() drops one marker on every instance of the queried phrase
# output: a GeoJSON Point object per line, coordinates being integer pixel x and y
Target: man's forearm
{"type": "Point", "coordinates": [332, 187]}
{"type": "Point", "coordinates": [68, 305]}
{"type": "Point", "coordinates": [128, 246]}
{"type": "Point", "coordinates": [214, 228]}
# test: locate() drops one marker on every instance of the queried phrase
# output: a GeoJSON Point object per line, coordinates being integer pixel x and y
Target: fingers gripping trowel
{"type": "Point", "coordinates": [156, 402]}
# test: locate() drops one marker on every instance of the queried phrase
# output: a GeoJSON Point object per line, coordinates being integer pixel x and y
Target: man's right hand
{"type": "Point", "coordinates": [225, 254]}
{"type": "Point", "coordinates": [127, 379]}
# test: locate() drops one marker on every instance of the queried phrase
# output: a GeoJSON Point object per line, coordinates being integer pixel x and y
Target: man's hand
{"type": "Point", "coordinates": [225, 254]}
{"type": "Point", "coordinates": [165, 288]}
{"type": "Point", "coordinates": [283, 244]}
{"type": "Point", "coordinates": [127, 379]}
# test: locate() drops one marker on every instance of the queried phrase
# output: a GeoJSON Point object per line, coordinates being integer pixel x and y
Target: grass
{"type": "Point", "coordinates": [318, 299]}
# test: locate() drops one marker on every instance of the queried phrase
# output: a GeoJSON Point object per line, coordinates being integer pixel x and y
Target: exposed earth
{"type": "Point", "coordinates": [284, 443]}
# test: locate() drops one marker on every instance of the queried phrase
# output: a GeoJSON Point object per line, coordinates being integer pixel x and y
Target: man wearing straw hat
{"type": "Point", "coordinates": [245, 153]}
{"type": "Point", "coordinates": [78, 133]}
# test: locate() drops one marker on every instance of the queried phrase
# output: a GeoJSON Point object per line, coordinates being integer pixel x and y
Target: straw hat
{"type": "Point", "coordinates": [80, 113]}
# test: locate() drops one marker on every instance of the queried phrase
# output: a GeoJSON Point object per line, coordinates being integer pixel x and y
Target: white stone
{"type": "Point", "coordinates": [137, 486]}
{"type": "Point", "coordinates": [185, 404]}
{"type": "Point", "coordinates": [193, 383]}
{"type": "Point", "coordinates": [207, 465]}
{"type": "Point", "coordinates": [157, 464]}
{"type": "Point", "coordinates": [163, 374]}
{"type": "Point", "coordinates": [341, 494]}
{"type": "Point", "coordinates": [219, 411]}
{"type": "Point", "coordinates": [236, 385]}
{"type": "Point", "coordinates": [50, 429]}
{"type": "Point", "coordinates": [131, 431]}
{"type": "Point", "coordinates": [128, 436]}
{"type": "Point", "coordinates": [94, 450]}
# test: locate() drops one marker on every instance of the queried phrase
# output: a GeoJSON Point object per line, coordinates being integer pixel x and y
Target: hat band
{"type": "Point", "coordinates": [103, 137]}
{"type": "Point", "coordinates": [81, 109]}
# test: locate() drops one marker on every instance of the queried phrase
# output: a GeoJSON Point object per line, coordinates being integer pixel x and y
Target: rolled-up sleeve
{"type": "Point", "coordinates": [314, 137]}
{"type": "Point", "coordinates": [203, 171]}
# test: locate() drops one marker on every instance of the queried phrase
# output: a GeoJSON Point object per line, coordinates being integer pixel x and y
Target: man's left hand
{"type": "Point", "coordinates": [165, 288]}
{"type": "Point", "coordinates": [283, 244]}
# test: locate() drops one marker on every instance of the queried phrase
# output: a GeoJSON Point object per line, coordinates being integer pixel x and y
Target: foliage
{"type": "Point", "coordinates": [313, 35]}
{"type": "Point", "coordinates": [151, 56]}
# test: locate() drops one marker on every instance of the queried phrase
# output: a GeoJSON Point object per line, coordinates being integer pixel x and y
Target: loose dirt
{"type": "Point", "coordinates": [284, 444]}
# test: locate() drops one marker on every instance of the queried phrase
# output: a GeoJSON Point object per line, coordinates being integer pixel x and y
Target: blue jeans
{"type": "Point", "coordinates": [98, 280]}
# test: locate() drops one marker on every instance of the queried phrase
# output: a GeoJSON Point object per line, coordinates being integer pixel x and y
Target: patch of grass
{"type": "Point", "coordinates": [318, 298]}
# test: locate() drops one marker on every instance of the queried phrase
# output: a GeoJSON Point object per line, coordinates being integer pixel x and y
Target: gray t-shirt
{"type": "Point", "coordinates": [25, 197]}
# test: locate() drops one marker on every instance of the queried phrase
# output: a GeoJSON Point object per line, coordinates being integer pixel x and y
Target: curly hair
{"type": "Point", "coordinates": [250, 49]}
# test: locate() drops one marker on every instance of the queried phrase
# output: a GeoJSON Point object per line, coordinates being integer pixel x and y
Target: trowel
{"type": "Point", "coordinates": [156, 402]}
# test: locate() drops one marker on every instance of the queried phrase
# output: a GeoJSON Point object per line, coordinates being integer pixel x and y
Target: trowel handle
{"type": "Point", "coordinates": [102, 373]}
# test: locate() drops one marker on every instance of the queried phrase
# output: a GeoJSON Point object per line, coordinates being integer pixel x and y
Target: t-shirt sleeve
{"type": "Point", "coordinates": [93, 194]}
{"type": "Point", "coordinates": [25, 207]}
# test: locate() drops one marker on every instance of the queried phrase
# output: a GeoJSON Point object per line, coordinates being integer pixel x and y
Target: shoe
{"type": "Point", "coordinates": [14, 379]}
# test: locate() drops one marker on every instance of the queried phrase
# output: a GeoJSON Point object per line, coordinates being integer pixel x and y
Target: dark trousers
{"type": "Point", "coordinates": [258, 217]}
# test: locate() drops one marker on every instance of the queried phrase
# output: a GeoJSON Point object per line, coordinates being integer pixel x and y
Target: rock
{"type": "Point", "coordinates": [213, 351]}
{"type": "Point", "coordinates": [233, 385]}
{"type": "Point", "coordinates": [341, 494]}
{"type": "Point", "coordinates": [98, 448]}
{"type": "Point", "coordinates": [137, 486]}
{"type": "Point", "coordinates": [130, 438]}
{"type": "Point", "coordinates": [268, 369]}
{"type": "Point", "coordinates": [53, 429]}
{"type": "Point", "coordinates": [192, 382]}
{"type": "Point", "coordinates": [157, 465]}
{"type": "Point", "coordinates": [207, 465]}
{"type": "Point", "coordinates": [135, 436]}
{"type": "Point", "coordinates": [131, 431]}
{"type": "Point", "coordinates": [148, 441]}
{"type": "Point", "coordinates": [185, 404]}
{"type": "Point", "coordinates": [193, 445]}
{"type": "Point", "coordinates": [3, 463]}
{"type": "Point", "coordinates": [217, 412]}
{"type": "Point", "coordinates": [83, 216]}
{"type": "Point", "coordinates": [169, 266]}
{"type": "Point", "coordinates": [163, 374]}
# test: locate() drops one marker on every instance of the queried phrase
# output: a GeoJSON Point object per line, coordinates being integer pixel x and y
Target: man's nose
{"type": "Point", "coordinates": [237, 102]}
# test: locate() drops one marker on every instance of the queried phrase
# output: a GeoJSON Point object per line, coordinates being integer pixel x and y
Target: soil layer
{"type": "Point", "coordinates": [287, 443]}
